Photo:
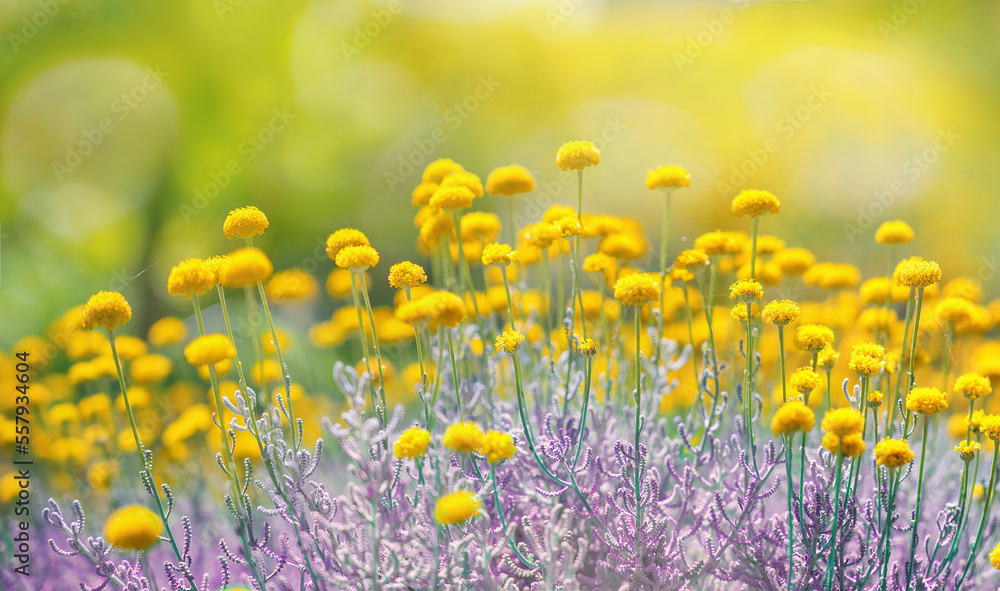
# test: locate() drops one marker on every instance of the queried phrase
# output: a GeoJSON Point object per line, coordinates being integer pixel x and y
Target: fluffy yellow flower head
{"type": "Point", "coordinates": [437, 170]}
{"type": "Point", "coordinates": [713, 242]}
{"type": "Point", "coordinates": [965, 288]}
{"type": "Point", "coordinates": [406, 275]}
{"type": "Point", "coordinates": [637, 289]}
{"type": "Point", "coordinates": [107, 309]}
{"type": "Point", "coordinates": [343, 238]}
{"type": "Point", "coordinates": [867, 359]}
{"type": "Point", "coordinates": [150, 368]}
{"type": "Point", "coordinates": [967, 450]}
{"type": "Point", "coordinates": [850, 446]}
{"type": "Point", "coordinates": [989, 424]}
{"type": "Point", "coordinates": [995, 557]}
{"type": "Point", "coordinates": [412, 443]}
{"type": "Point", "coordinates": [587, 347]}
{"type": "Point", "coordinates": [626, 245]}
{"type": "Point", "coordinates": [793, 416]}
{"type": "Point", "coordinates": [894, 232]}
{"type": "Point", "coordinates": [510, 180]}
{"type": "Point", "coordinates": [753, 203]}
{"type": "Point", "coordinates": [463, 179]}
{"type": "Point", "coordinates": [919, 273]}
{"type": "Point", "coordinates": [577, 155]}
{"type": "Point", "coordinates": [292, 284]}
{"type": "Point", "coordinates": [510, 341]}
{"type": "Point", "coordinates": [209, 350]}
{"type": "Point", "coordinates": [691, 259]}
{"type": "Point", "coordinates": [601, 263]}
{"type": "Point", "coordinates": [973, 386]}
{"type": "Point", "coordinates": [927, 401]}
{"type": "Point", "coordinates": [452, 197]}
{"type": "Point", "coordinates": [875, 399]}
{"type": "Point", "coordinates": [464, 437]}
{"type": "Point", "coordinates": [794, 261]}
{"type": "Point", "coordinates": [739, 311]}
{"type": "Point", "coordinates": [244, 222]}
{"type": "Point", "coordinates": [166, 331]}
{"type": "Point", "coordinates": [769, 245]}
{"type": "Point", "coordinates": [746, 290]}
{"type": "Point", "coordinates": [805, 380]}
{"type": "Point", "coordinates": [498, 254]}
{"type": "Point", "coordinates": [189, 277]}
{"type": "Point", "coordinates": [421, 196]}
{"type": "Point", "coordinates": [843, 422]}
{"type": "Point", "coordinates": [893, 453]}
{"type": "Point", "coordinates": [245, 266]}
{"type": "Point", "coordinates": [479, 225]}
{"type": "Point", "coordinates": [497, 446]}
{"type": "Point", "coordinates": [456, 507]}
{"type": "Point", "coordinates": [668, 176]}
{"type": "Point", "coordinates": [813, 337]}
{"type": "Point", "coordinates": [781, 312]}
{"type": "Point", "coordinates": [133, 528]}
{"type": "Point", "coordinates": [443, 308]}
{"type": "Point", "coordinates": [357, 258]}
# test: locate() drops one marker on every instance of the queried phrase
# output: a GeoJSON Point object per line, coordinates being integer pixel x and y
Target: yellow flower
{"type": "Point", "coordinates": [875, 290]}
{"type": "Point", "coordinates": [713, 242]}
{"type": "Point", "coordinates": [189, 277]}
{"type": "Point", "coordinates": [894, 232]}
{"type": "Point", "coordinates": [746, 290]}
{"type": "Point", "coordinates": [804, 380]}
{"type": "Point", "coordinates": [637, 289]}
{"type": "Point", "coordinates": [437, 170]}
{"type": "Point", "coordinates": [587, 347]}
{"type": "Point", "coordinates": [995, 556]}
{"type": "Point", "coordinates": [209, 350]}
{"type": "Point", "coordinates": [357, 258]}
{"type": "Point", "coordinates": [107, 309]}
{"type": "Point", "coordinates": [692, 260]}
{"type": "Point", "coordinates": [973, 386]}
{"type": "Point", "coordinates": [479, 225]}
{"type": "Point", "coordinates": [292, 284]}
{"type": "Point", "coordinates": [343, 238]}
{"type": "Point", "coordinates": [245, 266]}
{"type": "Point", "coordinates": [867, 359]}
{"type": "Point", "coordinates": [893, 453]}
{"type": "Point", "coordinates": [927, 401]}
{"type": "Point", "coordinates": [150, 368]}
{"type": "Point", "coordinates": [443, 308]}
{"type": "Point", "coordinates": [133, 528]}
{"type": "Point", "coordinates": [753, 203]}
{"type": "Point", "coordinates": [166, 331]}
{"type": "Point", "coordinates": [601, 263]}
{"type": "Point", "coordinates": [793, 416]}
{"type": "Point", "coordinates": [463, 179]}
{"type": "Point", "coordinates": [406, 275]}
{"type": "Point", "coordinates": [875, 399]}
{"type": "Point", "coordinates": [244, 222]}
{"type": "Point", "coordinates": [794, 261]}
{"type": "Point", "coordinates": [577, 155]}
{"type": "Point", "coordinates": [668, 176]}
{"type": "Point", "coordinates": [498, 254]}
{"type": "Point", "coordinates": [464, 437]}
{"type": "Point", "coordinates": [497, 446]}
{"type": "Point", "coordinates": [989, 424]}
{"type": "Point", "coordinates": [769, 245]}
{"type": "Point", "coordinates": [456, 507]}
{"type": "Point", "coordinates": [540, 235]}
{"type": "Point", "coordinates": [965, 288]}
{"type": "Point", "coordinates": [510, 180]}
{"type": "Point", "coordinates": [412, 443]}
{"type": "Point", "coordinates": [919, 273]}
{"type": "Point", "coordinates": [510, 341]}
{"type": "Point", "coordinates": [422, 194]}
{"type": "Point", "coordinates": [967, 450]}
{"type": "Point", "coordinates": [813, 337]}
{"type": "Point", "coordinates": [843, 422]}
{"type": "Point", "coordinates": [453, 197]}
{"type": "Point", "coordinates": [850, 446]}
{"type": "Point", "coordinates": [626, 245]}
{"type": "Point", "coordinates": [781, 312]}
{"type": "Point", "coordinates": [739, 311]}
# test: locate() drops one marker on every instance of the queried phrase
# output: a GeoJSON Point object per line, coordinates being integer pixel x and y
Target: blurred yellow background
{"type": "Point", "coordinates": [130, 129]}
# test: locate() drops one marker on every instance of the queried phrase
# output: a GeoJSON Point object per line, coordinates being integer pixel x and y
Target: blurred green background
{"type": "Point", "coordinates": [129, 129]}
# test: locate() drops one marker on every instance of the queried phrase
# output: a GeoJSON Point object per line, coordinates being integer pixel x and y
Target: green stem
{"type": "Point", "coordinates": [638, 417]}
{"type": "Point", "coordinates": [378, 351]}
{"type": "Point", "coordinates": [791, 519]}
{"type": "Point", "coordinates": [284, 369]}
{"type": "Point", "coordinates": [986, 515]}
{"type": "Point", "coordinates": [916, 513]}
{"type": "Point", "coordinates": [828, 578]}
